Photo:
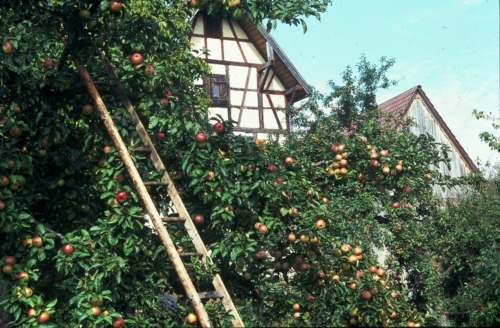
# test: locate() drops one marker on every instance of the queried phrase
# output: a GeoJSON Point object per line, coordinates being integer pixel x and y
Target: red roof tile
{"type": "Point", "coordinates": [399, 103]}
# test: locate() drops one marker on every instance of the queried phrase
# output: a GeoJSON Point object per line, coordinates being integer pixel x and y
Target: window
{"type": "Point", "coordinates": [213, 27]}
{"type": "Point", "coordinates": [217, 88]}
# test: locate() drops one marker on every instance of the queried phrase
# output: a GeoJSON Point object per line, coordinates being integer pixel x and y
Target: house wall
{"type": "Point", "coordinates": [427, 123]}
{"type": "Point", "coordinates": [255, 110]}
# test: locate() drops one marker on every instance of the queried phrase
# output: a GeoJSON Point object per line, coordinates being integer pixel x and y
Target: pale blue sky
{"type": "Point", "coordinates": [449, 47]}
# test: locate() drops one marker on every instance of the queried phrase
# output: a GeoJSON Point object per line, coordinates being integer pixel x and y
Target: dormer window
{"type": "Point", "coordinates": [217, 88]}
{"type": "Point", "coordinates": [213, 27]}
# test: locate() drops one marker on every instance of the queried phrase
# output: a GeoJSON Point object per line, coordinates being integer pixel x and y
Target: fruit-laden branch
{"type": "Point", "coordinates": [50, 230]}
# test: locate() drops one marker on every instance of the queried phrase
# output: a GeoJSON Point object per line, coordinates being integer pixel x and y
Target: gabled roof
{"type": "Point", "coordinates": [400, 105]}
{"type": "Point", "coordinates": [283, 67]}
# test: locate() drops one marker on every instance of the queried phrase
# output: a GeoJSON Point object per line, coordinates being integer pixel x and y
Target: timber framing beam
{"type": "Point", "coordinates": [263, 78]}
{"type": "Point", "coordinates": [257, 130]}
{"type": "Point", "coordinates": [265, 65]}
{"type": "Point", "coordinates": [293, 89]}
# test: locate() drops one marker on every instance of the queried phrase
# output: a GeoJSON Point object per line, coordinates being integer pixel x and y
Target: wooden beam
{"type": "Point", "coordinates": [244, 96]}
{"type": "Point", "coordinates": [293, 89]}
{"type": "Point", "coordinates": [263, 79]}
{"type": "Point", "coordinates": [274, 111]}
{"type": "Point", "coordinates": [265, 65]}
{"type": "Point", "coordinates": [232, 63]}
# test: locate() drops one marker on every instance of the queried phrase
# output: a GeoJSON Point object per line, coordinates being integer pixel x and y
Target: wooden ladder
{"type": "Point", "coordinates": [157, 220]}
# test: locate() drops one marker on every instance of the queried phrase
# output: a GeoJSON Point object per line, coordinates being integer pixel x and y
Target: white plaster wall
{"type": "Point", "coordinates": [238, 76]}
{"type": "Point", "coordinates": [239, 32]}
{"type": "Point", "coordinates": [250, 119]}
{"type": "Point", "coordinates": [232, 51]}
{"type": "Point", "coordinates": [269, 120]}
{"type": "Point", "coordinates": [215, 49]}
{"type": "Point", "coordinates": [251, 53]}
{"type": "Point", "coordinates": [198, 28]}
{"type": "Point", "coordinates": [236, 98]}
{"type": "Point", "coordinates": [226, 30]}
{"type": "Point", "coordinates": [218, 69]}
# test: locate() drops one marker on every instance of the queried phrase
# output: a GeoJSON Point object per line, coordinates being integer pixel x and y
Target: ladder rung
{"type": "Point", "coordinates": [143, 150]}
{"type": "Point", "coordinates": [203, 295]}
{"type": "Point", "coordinates": [119, 118]}
{"type": "Point", "coordinates": [155, 183]}
{"type": "Point", "coordinates": [173, 219]}
{"type": "Point", "coordinates": [190, 254]}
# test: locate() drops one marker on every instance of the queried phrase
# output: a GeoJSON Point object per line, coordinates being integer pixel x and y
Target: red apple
{"type": "Point", "coordinates": [7, 47]}
{"type": "Point", "coordinates": [37, 241]}
{"type": "Point", "coordinates": [119, 177]}
{"type": "Point", "coordinates": [121, 197]}
{"type": "Point", "coordinates": [17, 110]}
{"type": "Point", "coordinates": [366, 294]}
{"type": "Point", "coordinates": [4, 182]}
{"type": "Point", "coordinates": [219, 127]}
{"type": "Point", "coordinates": [31, 312]}
{"type": "Point", "coordinates": [289, 161]}
{"type": "Point", "coordinates": [201, 137]}
{"type": "Point", "coordinates": [107, 149]}
{"type": "Point", "coordinates": [291, 237]}
{"type": "Point", "coordinates": [396, 205]}
{"type": "Point", "coordinates": [43, 317]}
{"type": "Point", "coordinates": [2, 205]}
{"type": "Point", "coordinates": [7, 269]}
{"type": "Point", "coordinates": [115, 6]}
{"type": "Point", "coordinates": [164, 102]}
{"type": "Point", "coordinates": [96, 311]}
{"type": "Point", "coordinates": [9, 260]}
{"type": "Point", "coordinates": [119, 323]}
{"type": "Point", "coordinates": [136, 58]}
{"type": "Point", "coordinates": [96, 302]}
{"type": "Point", "coordinates": [67, 248]}
{"type": "Point", "coordinates": [160, 136]}
{"type": "Point", "coordinates": [48, 63]}
{"type": "Point", "coordinates": [23, 276]}
{"type": "Point", "coordinates": [199, 219]}
{"type": "Point", "coordinates": [263, 229]}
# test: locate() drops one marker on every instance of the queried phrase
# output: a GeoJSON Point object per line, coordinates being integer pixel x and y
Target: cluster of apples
{"type": "Point", "coordinates": [340, 166]}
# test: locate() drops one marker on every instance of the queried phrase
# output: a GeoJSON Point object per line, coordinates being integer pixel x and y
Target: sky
{"type": "Point", "coordinates": [449, 47]}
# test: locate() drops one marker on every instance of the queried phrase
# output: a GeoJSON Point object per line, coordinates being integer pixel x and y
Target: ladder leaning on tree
{"type": "Point", "coordinates": [157, 220]}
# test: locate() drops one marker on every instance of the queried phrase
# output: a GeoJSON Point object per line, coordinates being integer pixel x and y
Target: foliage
{"type": "Point", "coordinates": [288, 12]}
{"type": "Point", "coordinates": [469, 255]}
{"type": "Point", "coordinates": [487, 137]}
{"type": "Point", "coordinates": [328, 184]}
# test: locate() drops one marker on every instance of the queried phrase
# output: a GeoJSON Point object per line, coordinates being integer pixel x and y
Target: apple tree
{"type": "Point", "coordinates": [293, 226]}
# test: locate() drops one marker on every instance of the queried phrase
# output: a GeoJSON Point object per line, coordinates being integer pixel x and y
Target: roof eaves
{"type": "Point", "coordinates": [277, 49]}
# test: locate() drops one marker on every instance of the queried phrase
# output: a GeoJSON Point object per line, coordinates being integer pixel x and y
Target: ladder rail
{"type": "Point", "coordinates": [171, 190]}
{"type": "Point", "coordinates": [186, 282]}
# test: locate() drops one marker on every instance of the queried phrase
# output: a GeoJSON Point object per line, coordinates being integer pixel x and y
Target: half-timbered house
{"type": "Point", "coordinates": [414, 103]}
{"type": "Point", "coordinates": [252, 79]}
